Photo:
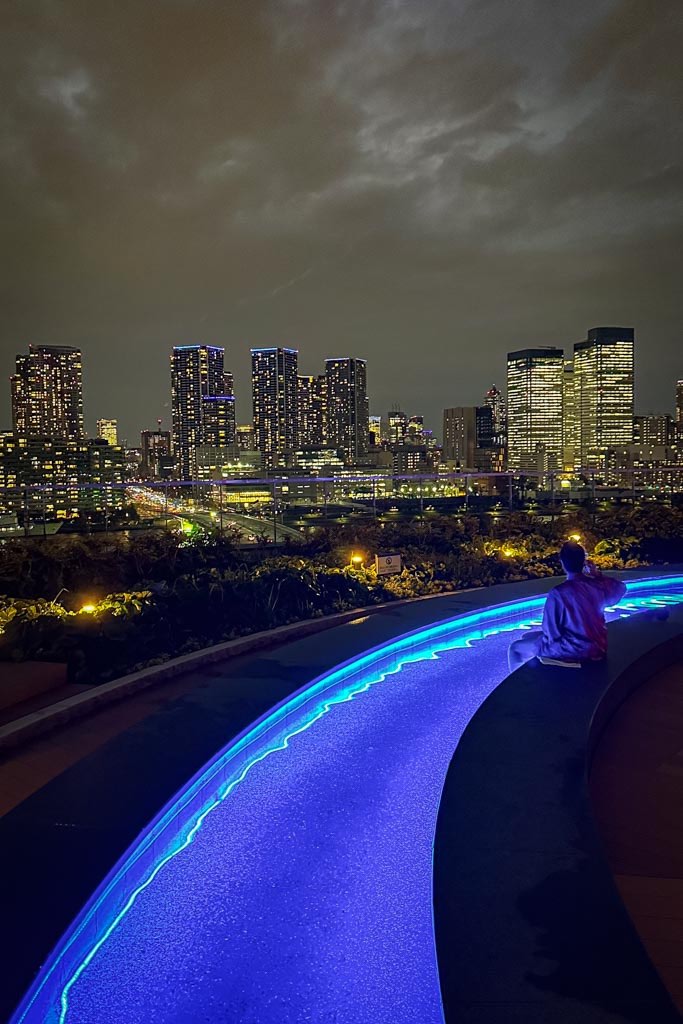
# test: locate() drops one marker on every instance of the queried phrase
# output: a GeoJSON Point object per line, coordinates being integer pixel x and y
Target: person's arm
{"type": "Point", "coordinates": [613, 590]}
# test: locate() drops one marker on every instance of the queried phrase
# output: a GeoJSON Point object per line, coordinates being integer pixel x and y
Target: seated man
{"type": "Point", "coordinates": [574, 629]}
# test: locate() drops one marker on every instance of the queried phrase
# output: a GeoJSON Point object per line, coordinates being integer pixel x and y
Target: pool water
{"type": "Point", "coordinates": [295, 886]}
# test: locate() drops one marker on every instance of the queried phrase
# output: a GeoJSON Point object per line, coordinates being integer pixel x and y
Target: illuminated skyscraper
{"type": "Point", "coordinates": [274, 379]}
{"type": "Point", "coordinates": [460, 435]}
{"type": "Point", "coordinates": [311, 404]}
{"type": "Point", "coordinates": [679, 404]}
{"type": "Point", "coordinates": [197, 373]}
{"type": "Point", "coordinates": [603, 390]}
{"type": "Point", "coordinates": [47, 393]}
{"type": "Point", "coordinates": [570, 437]}
{"type": "Point", "coordinates": [348, 414]}
{"type": "Point", "coordinates": [535, 378]}
{"type": "Point", "coordinates": [108, 431]}
{"type": "Point", "coordinates": [495, 400]}
{"type": "Point", "coordinates": [397, 426]}
{"type": "Point", "coordinates": [375, 428]}
{"type": "Point", "coordinates": [415, 431]}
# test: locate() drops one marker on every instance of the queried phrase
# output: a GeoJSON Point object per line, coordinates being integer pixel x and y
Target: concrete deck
{"type": "Point", "coordinates": [636, 786]}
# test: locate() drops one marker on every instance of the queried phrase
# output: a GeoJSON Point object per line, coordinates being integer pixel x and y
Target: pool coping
{"type": "Point", "coordinates": [59, 845]}
{"type": "Point", "coordinates": [546, 932]}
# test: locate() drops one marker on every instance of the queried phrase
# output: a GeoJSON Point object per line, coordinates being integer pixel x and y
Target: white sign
{"type": "Point", "coordinates": [387, 564]}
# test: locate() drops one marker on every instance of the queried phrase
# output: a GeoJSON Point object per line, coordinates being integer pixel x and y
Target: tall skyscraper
{"type": "Point", "coordinates": [274, 379]}
{"type": "Point", "coordinates": [570, 437]}
{"type": "Point", "coordinates": [108, 430]}
{"type": "Point", "coordinates": [679, 404]}
{"type": "Point", "coordinates": [348, 412]}
{"type": "Point", "coordinates": [604, 393]}
{"type": "Point", "coordinates": [535, 378]}
{"type": "Point", "coordinates": [495, 400]}
{"type": "Point", "coordinates": [47, 393]}
{"type": "Point", "coordinates": [312, 408]}
{"type": "Point", "coordinates": [197, 373]}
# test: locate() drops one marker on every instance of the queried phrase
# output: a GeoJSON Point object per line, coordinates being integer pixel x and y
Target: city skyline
{"type": "Point", "coordinates": [450, 180]}
{"type": "Point", "coordinates": [242, 390]}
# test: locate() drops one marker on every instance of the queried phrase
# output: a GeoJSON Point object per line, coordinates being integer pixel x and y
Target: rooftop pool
{"type": "Point", "coordinates": [291, 879]}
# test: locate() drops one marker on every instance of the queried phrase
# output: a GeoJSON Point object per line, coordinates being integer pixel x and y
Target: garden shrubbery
{"type": "Point", "coordinates": [158, 595]}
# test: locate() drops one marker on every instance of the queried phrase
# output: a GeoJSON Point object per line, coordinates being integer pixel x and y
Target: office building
{"type": "Point", "coordinates": [397, 426]}
{"type": "Point", "coordinates": [312, 407]}
{"type": "Point", "coordinates": [460, 435]}
{"type": "Point", "coordinates": [570, 437]}
{"type": "Point", "coordinates": [649, 431]}
{"type": "Point", "coordinates": [495, 400]}
{"type": "Point", "coordinates": [156, 456]}
{"type": "Point", "coordinates": [679, 405]}
{"type": "Point", "coordinates": [47, 393]}
{"type": "Point", "coordinates": [535, 380]}
{"type": "Point", "coordinates": [375, 430]}
{"type": "Point", "coordinates": [415, 431]}
{"type": "Point", "coordinates": [108, 430]}
{"type": "Point", "coordinates": [197, 373]}
{"type": "Point", "coordinates": [348, 413]}
{"type": "Point", "coordinates": [274, 379]}
{"type": "Point", "coordinates": [604, 393]}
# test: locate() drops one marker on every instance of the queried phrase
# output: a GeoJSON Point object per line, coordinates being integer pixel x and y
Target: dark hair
{"type": "Point", "coordinates": [573, 556]}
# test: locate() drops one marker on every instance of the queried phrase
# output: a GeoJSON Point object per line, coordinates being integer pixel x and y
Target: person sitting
{"type": "Point", "coordinates": [574, 629]}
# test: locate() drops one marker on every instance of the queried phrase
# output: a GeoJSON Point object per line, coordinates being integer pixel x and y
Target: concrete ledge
{"type": "Point", "coordinates": [37, 723]}
{"type": "Point", "coordinates": [520, 879]}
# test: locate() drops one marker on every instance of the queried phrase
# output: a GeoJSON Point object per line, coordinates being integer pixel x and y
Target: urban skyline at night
{"type": "Point", "coordinates": [242, 388]}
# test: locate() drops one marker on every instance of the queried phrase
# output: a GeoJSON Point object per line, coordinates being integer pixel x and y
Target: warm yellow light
{"type": "Point", "coordinates": [508, 552]}
{"type": "Point", "coordinates": [89, 608]}
{"type": "Point", "coordinates": [356, 559]}
{"type": "Point", "coordinates": [575, 536]}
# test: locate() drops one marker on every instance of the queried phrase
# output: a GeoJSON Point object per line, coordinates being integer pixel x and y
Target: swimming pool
{"type": "Point", "coordinates": [291, 879]}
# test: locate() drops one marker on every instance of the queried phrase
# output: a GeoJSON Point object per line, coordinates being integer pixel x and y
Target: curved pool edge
{"type": "Point", "coordinates": [547, 934]}
{"type": "Point", "coordinates": [62, 825]}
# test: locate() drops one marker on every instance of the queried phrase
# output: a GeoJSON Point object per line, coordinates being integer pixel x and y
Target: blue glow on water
{"type": "Point", "coordinates": [376, 764]}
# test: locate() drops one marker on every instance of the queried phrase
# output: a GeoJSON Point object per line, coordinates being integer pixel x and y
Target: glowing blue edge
{"type": "Point", "coordinates": [238, 744]}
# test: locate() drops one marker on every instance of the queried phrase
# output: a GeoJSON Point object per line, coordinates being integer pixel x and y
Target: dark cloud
{"type": "Point", "coordinates": [427, 185]}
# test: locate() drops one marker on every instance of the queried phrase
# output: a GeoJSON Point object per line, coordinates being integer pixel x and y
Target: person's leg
{"type": "Point", "coordinates": [524, 649]}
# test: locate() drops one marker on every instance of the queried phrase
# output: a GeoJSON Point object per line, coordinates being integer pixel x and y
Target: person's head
{"type": "Point", "coordinates": [573, 557]}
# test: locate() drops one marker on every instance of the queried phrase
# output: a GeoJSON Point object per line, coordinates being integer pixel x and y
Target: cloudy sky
{"type": "Point", "coordinates": [426, 184]}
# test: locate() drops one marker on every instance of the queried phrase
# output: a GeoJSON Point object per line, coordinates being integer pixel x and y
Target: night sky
{"type": "Point", "coordinates": [425, 184]}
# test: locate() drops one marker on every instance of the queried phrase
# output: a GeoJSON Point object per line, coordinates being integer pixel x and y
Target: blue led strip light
{"type": "Point", "coordinates": [421, 645]}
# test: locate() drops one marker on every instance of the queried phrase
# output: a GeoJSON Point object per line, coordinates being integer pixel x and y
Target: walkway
{"type": "Point", "coordinates": [637, 792]}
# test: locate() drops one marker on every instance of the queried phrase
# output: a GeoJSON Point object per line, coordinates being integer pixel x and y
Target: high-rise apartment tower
{"type": "Point", "coordinates": [47, 393]}
{"type": "Point", "coordinates": [348, 412]}
{"type": "Point", "coordinates": [274, 380]}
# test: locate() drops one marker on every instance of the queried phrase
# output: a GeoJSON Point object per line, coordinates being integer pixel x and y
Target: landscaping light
{"type": "Point", "coordinates": [508, 552]}
{"type": "Point", "coordinates": [575, 537]}
{"type": "Point", "coordinates": [89, 608]}
{"type": "Point", "coordinates": [356, 559]}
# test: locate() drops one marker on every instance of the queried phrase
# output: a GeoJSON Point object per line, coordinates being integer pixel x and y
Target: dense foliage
{"type": "Point", "coordinates": [107, 604]}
